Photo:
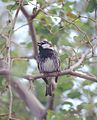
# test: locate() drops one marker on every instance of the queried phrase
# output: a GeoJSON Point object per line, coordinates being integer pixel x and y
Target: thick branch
{"type": "Point", "coordinates": [61, 73]}
{"type": "Point", "coordinates": [33, 36]}
{"type": "Point", "coordinates": [4, 72]}
{"type": "Point", "coordinates": [83, 75]}
{"type": "Point", "coordinates": [31, 28]}
{"type": "Point", "coordinates": [50, 103]}
{"type": "Point", "coordinates": [29, 98]}
{"type": "Point", "coordinates": [26, 14]}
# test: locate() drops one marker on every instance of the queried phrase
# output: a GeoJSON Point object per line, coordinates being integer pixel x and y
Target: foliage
{"type": "Point", "coordinates": [68, 25]}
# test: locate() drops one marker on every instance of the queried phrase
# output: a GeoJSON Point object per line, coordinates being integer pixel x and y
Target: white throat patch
{"type": "Point", "coordinates": [47, 46]}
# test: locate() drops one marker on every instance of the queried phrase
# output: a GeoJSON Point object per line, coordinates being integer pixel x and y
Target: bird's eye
{"type": "Point", "coordinates": [44, 42]}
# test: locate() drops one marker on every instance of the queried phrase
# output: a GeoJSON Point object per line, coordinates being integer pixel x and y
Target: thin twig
{"type": "Point", "coordinates": [20, 27]}
{"type": "Point", "coordinates": [4, 114]}
{"type": "Point", "coordinates": [87, 18]}
{"type": "Point", "coordinates": [17, 12]}
{"type": "Point", "coordinates": [8, 59]}
{"type": "Point", "coordinates": [81, 31]}
{"type": "Point", "coordinates": [79, 62]}
{"type": "Point", "coordinates": [10, 104]}
{"type": "Point", "coordinates": [96, 20]}
{"type": "Point", "coordinates": [20, 58]}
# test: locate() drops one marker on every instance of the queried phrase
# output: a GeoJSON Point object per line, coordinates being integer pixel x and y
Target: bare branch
{"type": "Point", "coordinates": [5, 72]}
{"type": "Point", "coordinates": [50, 103]}
{"type": "Point", "coordinates": [6, 114]}
{"type": "Point", "coordinates": [11, 102]}
{"type": "Point", "coordinates": [16, 14]}
{"type": "Point", "coordinates": [20, 27]}
{"type": "Point", "coordinates": [26, 14]}
{"type": "Point", "coordinates": [67, 71]}
{"type": "Point", "coordinates": [96, 20]}
{"type": "Point", "coordinates": [61, 73]}
{"type": "Point", "coordinates": [33, 36]}
{"type": "Point", "coordinates": [31, 28]}
{"type": "Point", "coordinates": [78, 28]}
{"type": "Point", "coordinates": [29, 98]}
{"type": "Point", "coordinates": [79, 62]}
{"type": "Point", "coordinates": [83, 75]}
{"type": "Point", "coordinates": [20, 58]}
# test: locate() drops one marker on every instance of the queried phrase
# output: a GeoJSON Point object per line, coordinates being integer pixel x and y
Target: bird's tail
{"type": "Point", "coordinates": [49, 90]}
{"type": "Point", "coordinates": [50, 86]}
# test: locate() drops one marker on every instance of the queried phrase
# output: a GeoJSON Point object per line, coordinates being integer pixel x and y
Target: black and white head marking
{"type": "Point", "coordinates": [45, 45]}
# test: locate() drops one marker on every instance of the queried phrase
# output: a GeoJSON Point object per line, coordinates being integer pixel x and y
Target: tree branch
{"type": "Point", "coordinates": [96, 20]}
{"type": "Point", "coordinates": [29, 98]}
{"type": "Point", "coordinates": [34, 105]}
{"type": "Point", "coordinates": [4, 72]}
{"type": "Point", "coordinates": [64, 72]}
{"type": "Point", "coordinates": [79, 62]}
{"type": "Point", "coordinates": [31, 28]}
{"type": "Point", "coordinates": [50, 103]}
{"type": "Point", "coordinates": [61, 73]}
{"type": "Point", "coordinates": [69, 71]}
{"type": "Point", "coordinates": [11, 102]}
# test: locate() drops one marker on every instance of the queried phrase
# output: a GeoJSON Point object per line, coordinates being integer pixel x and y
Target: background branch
{"type": "Point", "coordinates": [50, 103]}
{"type": "Point", "coordinates": [11, 102]}
{"type": "Point", "coordinates": [80, 61]}
{"type": "Point", "coordinates": [96, 20]}
{"type": "Point", "coordinates": [28, 97]}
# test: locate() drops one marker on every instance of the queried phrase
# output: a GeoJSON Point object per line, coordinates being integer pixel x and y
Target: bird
{"type": "Point", "coordinates": [48, 62]}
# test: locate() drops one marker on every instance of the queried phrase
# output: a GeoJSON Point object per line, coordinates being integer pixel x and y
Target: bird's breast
{"type": "Point", "coordinates": [48, 65]}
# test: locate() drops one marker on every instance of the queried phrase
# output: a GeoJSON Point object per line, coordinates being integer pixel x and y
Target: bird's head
{"type": "Point", "coordinates": [45, 45]}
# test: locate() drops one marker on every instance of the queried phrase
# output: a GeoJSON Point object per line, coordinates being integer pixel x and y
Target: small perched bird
{"type": "Point", "coordinates": [48, 62]}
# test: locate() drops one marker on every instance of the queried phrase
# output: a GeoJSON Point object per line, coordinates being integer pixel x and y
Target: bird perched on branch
{"type": "Point", "coordinates": [48, 62]}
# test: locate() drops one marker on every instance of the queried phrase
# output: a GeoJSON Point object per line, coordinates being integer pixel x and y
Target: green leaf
{"type": "Point", "coordinates": [69, 103]}
{"type": "Point", "coordinates": [91, 6]}
{"type": "Point", "coordinates": [50, 114]}
{"type": "Point", "coordinates": [12, 7]}
{"type": "Point", "coordinates": [64, 84]}
{"type": "Point", "coordinates": [40, 87]}
{"type": "Point", "coordinates": [74, 94]}
{"type": "Point", "coordinates": [41, 2]}
{"type": "Point", "coordinates": [67, 7]}
{"type": "Point", "coordinates": [19, 67]}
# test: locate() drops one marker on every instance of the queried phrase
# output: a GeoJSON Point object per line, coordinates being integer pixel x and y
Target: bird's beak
{"type": "Point", "coordinates": [38, 44]}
